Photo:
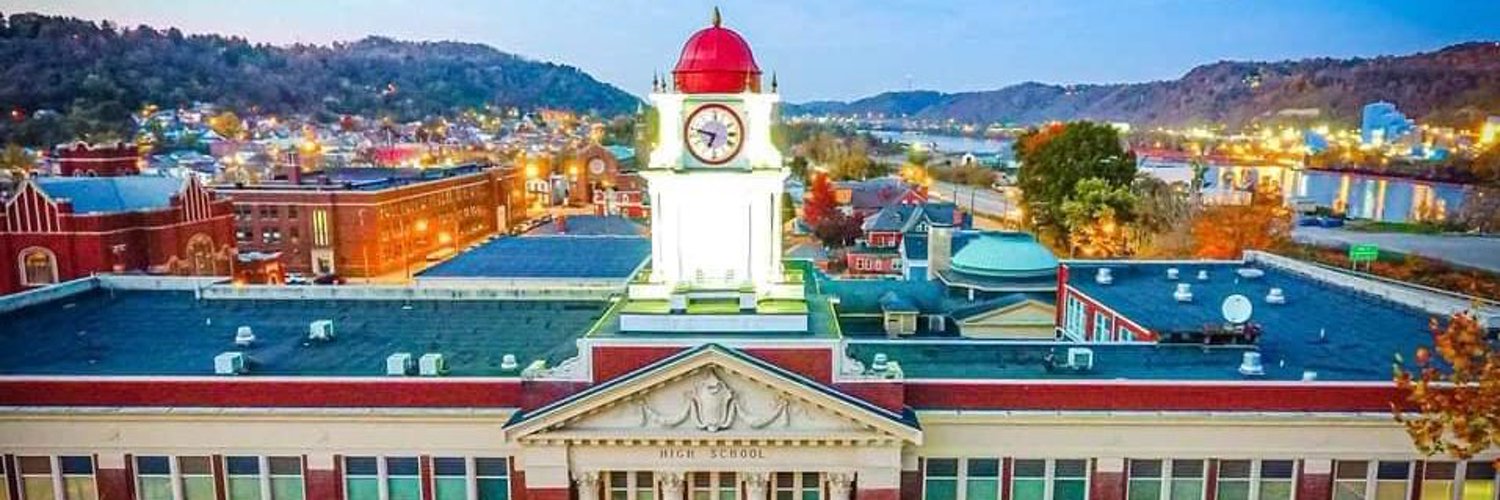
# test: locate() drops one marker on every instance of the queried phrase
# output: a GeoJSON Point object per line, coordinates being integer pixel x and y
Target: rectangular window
{"type": "Point", "coordinates": [1391, 480]}
{"type": "Point", "coordinates": [1187, 480]}
{"type": "Point", "coordinates": [1361, 480]}
{"type": "Point", "coordinates": [450, 478]}
{"type": "Point", "coordinates": [197, 478]}
{"type": "Point", "coordinates": [617, 485]}
{"type": "Point", "coordinates": [644, 486]}
{"type": "Point", "coordinates": [1145, 480]}
{"type": "Point", "coordinates": [1438, 480]}
{"type": "Point", "coordinates": [1103, 324]}
{"type": "Point", "coordinates": [1255, 480]}
{"type": "Point", "coordinates": [798, 486]}
{"type": "Point", "coordinates": [153, 478]}
{"type": "Point", "coordinates": [1479, 480]}
{"type": "Point", "coordinates": [942, 479]}
{"type": "Point", "coordinates": [403, 479]}
{"type": "Point", "coordinates": [983, 481]}
{"type": "Point", "coordinates": [242, 478]}
{"type": "Point", "coordinates": [1070, 479]}
{"type": "Point", "coordinates": [492, 477]}
{"type": "Point", "coordinates": [1028, 480]}
{"type": "Point", "coordinates": [36, 477]}
{"type": "Point", "coordinates": [78, 477]}
{"type": "Point", "coordinates": [286, 478]}
{"type": "Point", "coordinates": [1350, 480]}
{"type": "Point", "coordinates": [361, 478]}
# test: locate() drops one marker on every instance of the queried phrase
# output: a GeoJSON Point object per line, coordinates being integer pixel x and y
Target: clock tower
{"type": "Point", "coordinates": [715, 181]}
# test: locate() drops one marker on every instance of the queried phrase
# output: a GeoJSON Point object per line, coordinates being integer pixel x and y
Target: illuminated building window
{"type": "Point", "coordinates": [1479, 480]}
{"type": "Point", "coordinates": [402, 478]}
{"type": "Point", "coordinates": [1165, 480]}
{"type": "Point", "coordinates": [982, 481]}
{"type": "Point", "coordinates": [1049, 480]}
{"type": "Point", "coordinates": [798, 486]}
{"type": "Point", "coordinates": [941, 481]}
{"type": "Point", "coordinates": [492, 478]}
{"type": "Point", "coordinates": [1371, 480]}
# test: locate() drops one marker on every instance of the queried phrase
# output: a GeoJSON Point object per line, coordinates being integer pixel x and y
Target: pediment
{"type": "Point", "coordinates": [712, 394]}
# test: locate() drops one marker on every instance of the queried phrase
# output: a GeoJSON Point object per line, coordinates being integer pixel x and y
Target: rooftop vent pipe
{"type": "Point", "coordinates": [1104, 277]}
{"type": "Point", "coordinates": [243, 336]}
{"type": "Point", "coordinates": [1172, 274]}
{"type": "Point", "coordinates": [1275, 296]}
{"type": "Point", "coordinates": [1184, 293]}
{"type": "Point", "coordinates": [1250, 366]}
{"type": "Point", "coordinates": [1202, 275]}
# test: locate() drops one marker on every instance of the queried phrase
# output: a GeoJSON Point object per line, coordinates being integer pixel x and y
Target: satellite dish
{"type": "Point", "coordinates": [1237, 309]}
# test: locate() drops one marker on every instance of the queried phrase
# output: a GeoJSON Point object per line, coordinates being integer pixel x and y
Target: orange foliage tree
{"type": "Point", "coordinates": [1452, 405]}
{"type": "Point", "coordinates": [1226, 231]}
{"type": "Point", "coordinates": [820, 201]}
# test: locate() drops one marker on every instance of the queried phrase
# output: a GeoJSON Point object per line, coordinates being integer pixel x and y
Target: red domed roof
{"type": "Point", "coordinates": [716, 60]}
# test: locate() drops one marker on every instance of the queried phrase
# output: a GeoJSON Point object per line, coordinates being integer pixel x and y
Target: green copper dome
{"type": "Point", "coordinates": [1004, 255]}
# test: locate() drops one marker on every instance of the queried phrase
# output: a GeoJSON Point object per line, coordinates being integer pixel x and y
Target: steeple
{"type": "Point", "coordinates": [716, 19]}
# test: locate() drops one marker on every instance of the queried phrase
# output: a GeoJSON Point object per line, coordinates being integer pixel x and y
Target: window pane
{"type": "Point", "coordinates": [404, 488]}
{"type": "Point", "coordinates": [76, 465]}
{"type": "Point", "coordinates": [79, 488]}
{"type": "Point", "coordinates": [1028, 489]}
{"type": "Point", "coordinates": [35, 465]}
{"type": "Point", "coordinates": [1351, 470]}
{"type": "Point", "coordinates": [451, 488]}
{"type": "Point", "coordinates": [1070, 489]}
{"type": "Point", "coordinates": [942, 467]}
{"type": "Point", "coordinates": [1071, 468]}
{"type": "Point", "coordinates": [194, 466]}
{"type": "Point", "coordinates": [1234, 469]}
{"type": "Point", "coordinates": [983, 489]}
{"type": "Point", "coordinates": [155, 466]}
{"type": "Point", "coordinates": [242, 466]}
{"type": "Point", "coordinates": [941, 489]}
{"type": "Point", "coordinates": [39, 487]}
{"type": "Point", "coordinates": [1437, 489]}
{"type": "Point", "coordinates": [1277, 469]}
{"type": "Point", "coordinates": [198, 488]}
{"type": "Point", "coordinates": [1238, 489]}
{"type": "Point", "coordinates": [1145, 468]}
{"type": "Point", "coordinates": [1393, 470]}
{"type": "Point", "coordinates": [401, 466]}
{"type": "Point", "coordinates": [1187, 489]}
{"type": "Point", "coordinates": [360, 466]}
{"type": "Point", "coordinates": [244, 487]}
{"type": "Point", "coordinates": [287, 488]}
{"type": "Point", "coordinates": [494, 489]}
{"type": "Point", "coordinates": [286, 466]}
{"type": "Point", "coordinates": [1275, 490]}
{"type": "Point", "coordinates": [1029, 468]}
{"type": "Point", "coordinates": [155, 488]}
{"type": "Point", "coordinates": [1187, 468]}
{"type": "Point", "coordinates": [490, 467]}
{"type": "Point", "coordinates": [1144, 489]}
{"type": "Point", "coordinates": [984, 467]}
{"type": "Point", "coordinates": [362, 489]}
{"type": "Point", "coordinates": [1348, 490]}
{"type": "Point", "coordinates": [449, 466]}
{"type": "Point", "coordinates": [1479, 481]}
{"type": "Point", "coordinates": [1390, 490]}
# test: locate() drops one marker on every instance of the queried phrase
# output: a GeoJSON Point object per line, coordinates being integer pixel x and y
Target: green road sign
{"type": "Point", "coordinates": [1363, 253]}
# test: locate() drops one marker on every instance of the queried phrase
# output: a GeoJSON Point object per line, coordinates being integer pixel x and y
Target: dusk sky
{"type": "Point", "coordinates": [844, 49]}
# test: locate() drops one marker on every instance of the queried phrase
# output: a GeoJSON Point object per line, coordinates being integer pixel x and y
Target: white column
{"type": "Point", "coordinates": [838, 485]}
{"type": "Point", "coordinates": [588, 485]}
{"type": "Point", "coordinates": [671, 485]}
{"type": "Point", "coordinates": [757, 485]}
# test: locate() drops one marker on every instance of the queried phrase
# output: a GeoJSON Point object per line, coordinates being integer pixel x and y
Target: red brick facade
{"type": "Point", "coordinates": [81, 160]}
{"type": "Point", "coordinates": [194, 235]}
{"type": "Point", "coordinates": [333, 229]}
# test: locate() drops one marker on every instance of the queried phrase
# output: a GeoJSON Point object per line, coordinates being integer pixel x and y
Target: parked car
{"type": "Point", "coordinates": [296, 279]}
{"type": "Point", "coordinates": [329, 279]}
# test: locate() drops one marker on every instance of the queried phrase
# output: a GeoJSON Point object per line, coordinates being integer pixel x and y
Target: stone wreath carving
{"type": "Point", "coordinates": [712, 407]}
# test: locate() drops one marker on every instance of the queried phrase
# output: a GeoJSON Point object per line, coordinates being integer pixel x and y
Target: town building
{"type": "Point", "coordinates": [57, 229]}
{"type": "Point", "coordinates": [722, 372]}
{"type": "Point", "coordinates": [366, 222]}
{"type": "Point", "coordinates": [1382, 124]}
{"type": "Point", "coordinates": [81, 159]}
{"type": "Point", "coordinates": [895, 238]}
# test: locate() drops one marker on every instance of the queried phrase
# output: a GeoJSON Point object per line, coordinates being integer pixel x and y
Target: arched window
{"type": "Point", "coordinates": [201, 258]}
{"type": "Point", "coordinates": [38, 267]}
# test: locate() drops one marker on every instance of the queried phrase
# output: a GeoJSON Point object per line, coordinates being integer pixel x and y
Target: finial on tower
{"type": "Point", "coordinates": [773, 82]}
{"type": "Point", "coordinates": [655, 82]}
{"type": "Point", "coordinates": [717, 20]}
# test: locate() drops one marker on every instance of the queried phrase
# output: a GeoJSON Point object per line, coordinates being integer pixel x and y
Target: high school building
{"type": "Point", "coordinates": [723, 373]}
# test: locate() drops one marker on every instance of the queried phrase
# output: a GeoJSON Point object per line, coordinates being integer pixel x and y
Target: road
{"type": "Point", "coordinates": [982, 200]}
{"type": "Point", "coordinates": [1476, 252]}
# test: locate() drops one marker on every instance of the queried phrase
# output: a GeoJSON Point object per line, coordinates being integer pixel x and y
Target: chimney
{"type": "Point", "coordinates": [939, 249]}
{"type": "Point", "coordinates": [294, 175]}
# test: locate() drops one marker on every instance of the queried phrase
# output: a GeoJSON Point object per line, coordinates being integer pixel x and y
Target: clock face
{"type": "Point", "coordinates": [714, 134]}
{"type": "Point", "coordinates": [596, 166]}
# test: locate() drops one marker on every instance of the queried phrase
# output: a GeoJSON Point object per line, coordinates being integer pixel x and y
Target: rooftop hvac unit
{"type": "Point", "coordinates": [243, 336]}
{"type": "Point", "coordinates": [398, 364]}
{"type": "Point", "coordinates": [1275, 296]}
{"type": "Point", "coordinates": [1250, 273]}
{"type": "Point", "coordinates": [229, 363]}
{"type": "Point", "coordinates": [508, 363]}
{"type": "Point", "coordinates": [320, 330]}
{"type": "Point", "coordinates": [1103, 276]}
{"type": "Point", "coordinates": [1184, 293]}
{"type": "Point", "coordinates": [1172, 274]}
{"type": "Point", "coordinates": [432, 365]}
{"type": "Point", "coordinates": [1080, 358]}
{"type": "Point", "coordinates": [881, 362]}
{"type": "Point", "coordinates": [1202, 275]}
{"type": "Point", "coordinates": [1250, 366]}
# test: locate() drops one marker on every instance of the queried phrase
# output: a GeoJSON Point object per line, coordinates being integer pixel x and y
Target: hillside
{"type": "Point", "coordinates": [98, 73]}
{"type": "Point", "coordinates": [1457, 85]}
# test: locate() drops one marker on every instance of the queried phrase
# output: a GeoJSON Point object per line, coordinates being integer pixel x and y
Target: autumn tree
{"type": "Point", "coordinates": [820, 201]}
{"type": "Point", "coordinates": [1055, 158]}
{"type": "Point", "coordinates": [1226, 231]}
{"type": "Point", "coordinates": [837, 230]}
{"type": "Point", "coordinates": [1096, 216]}
{"type": "Point", "coordinates": [16, 162]}
{"type": "Point", "coordinates": [1452, 404]}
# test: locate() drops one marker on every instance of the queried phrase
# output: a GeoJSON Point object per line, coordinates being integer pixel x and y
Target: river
{"type": "Point", "coordinates": [952, 144]}
{"type": "Point", "coordinates": [1360, 196]}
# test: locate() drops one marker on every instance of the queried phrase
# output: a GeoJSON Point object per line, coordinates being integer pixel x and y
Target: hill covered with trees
{"type": "Point", "coordinates": [1456, 86]}
{"type": "Point", "coordinates": [88, 77]}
